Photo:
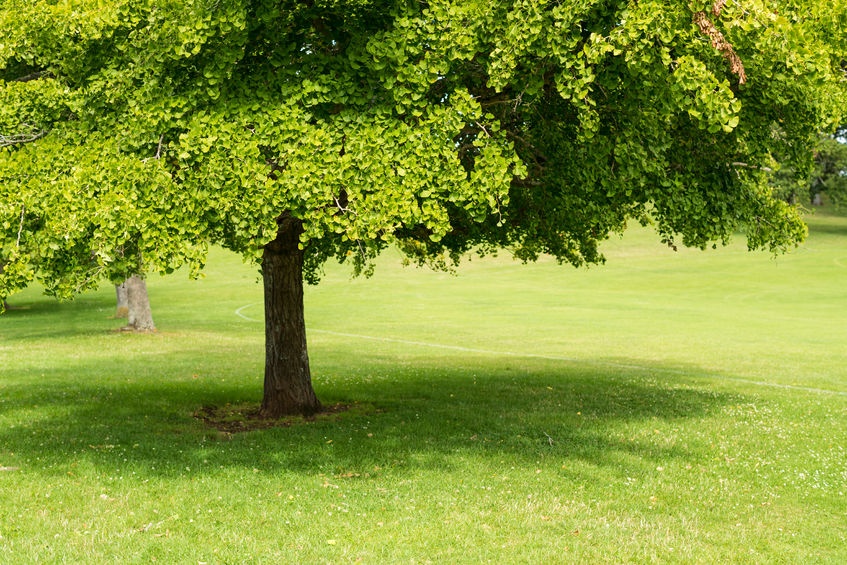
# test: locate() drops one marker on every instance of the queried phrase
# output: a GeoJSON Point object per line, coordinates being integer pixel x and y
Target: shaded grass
{"type": "Point", "coordinates": [638, 412]}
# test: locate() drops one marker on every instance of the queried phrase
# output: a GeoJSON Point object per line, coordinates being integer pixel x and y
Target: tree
{"type": "Point", "coordinates": [133, 303]}
{"type": "Point", "coordinates": [139, 314]}
{"type": "Point", "coordinates": [827, 175]}
{"type": "Point", "coordinates": [3, 304]}
{"type": "Point", "coordinates": [830, 173]}
{"type": "Point", "coordinates": [121, 301]}
{"type": "Point", "coordinates": [294, 132]}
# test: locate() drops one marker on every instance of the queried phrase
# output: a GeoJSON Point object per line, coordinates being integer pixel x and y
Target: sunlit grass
{"type": "Point", "coordinates": [666, 407]}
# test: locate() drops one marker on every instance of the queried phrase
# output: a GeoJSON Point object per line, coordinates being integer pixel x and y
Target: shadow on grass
{"type": "Point", "coordinates": [425, 415]}
{"type": "Point", "coordinates": [37, 318]}
{"type": "Point", "coordinates": [828, 223]}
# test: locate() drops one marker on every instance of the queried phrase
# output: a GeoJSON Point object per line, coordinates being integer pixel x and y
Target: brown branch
{"type": "Point", "coordinates": [708, 29]}
{"type": "Point", "coordinates": [33, 76]}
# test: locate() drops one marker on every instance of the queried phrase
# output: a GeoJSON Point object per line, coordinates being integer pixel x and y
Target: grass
{"type": "Point", "coordinates": [667, 407]}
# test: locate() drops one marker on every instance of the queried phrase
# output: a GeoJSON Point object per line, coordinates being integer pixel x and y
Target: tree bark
{"type": "Point", "coordinates": [3, 298]}
{"type": "Point", "coordinates": [139, 316]}
{"type": "Point", "coordinates": [122, 308]}
{"type": "Point", "coordinates": [288, 380]}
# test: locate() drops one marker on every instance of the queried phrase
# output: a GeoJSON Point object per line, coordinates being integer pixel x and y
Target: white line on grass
{"type": "Point", "coordinates": [632, 366]}
{"type": "Point", "coordinates": [239, 311]}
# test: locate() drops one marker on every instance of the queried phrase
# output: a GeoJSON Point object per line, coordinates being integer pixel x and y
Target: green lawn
{"type": "Point", "coordinates": [666, 407]}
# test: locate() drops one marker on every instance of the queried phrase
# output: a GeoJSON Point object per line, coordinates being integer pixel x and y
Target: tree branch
{"type": "Point", "coordinates": [159, 147]}
{"type": "Point", "coordinates": [21, 226]}
{"type": "Point", "coordinates": [756, 167]}
{"type": "Point", "coordinates": [158, 154]}
{"type": "Point", "coordinates": [20, 138]}
{"type": "Point", "coordinates": [718, 41]}
{"type": "Point", "coordinates": [33, 76]}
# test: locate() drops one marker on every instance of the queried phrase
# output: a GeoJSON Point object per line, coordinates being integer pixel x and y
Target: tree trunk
{"type": "Point", "coordinates": [122, 308]}
{"type": "Point", "coordinates": [3, 298]}
{"type": "Point", "coordinates": [139, 315]}
{"type": "Point", "coordinates": [288, 381]}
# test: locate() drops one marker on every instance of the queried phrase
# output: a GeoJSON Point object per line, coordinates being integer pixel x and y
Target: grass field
{"type": "Point", "coordinates": [682, 407]}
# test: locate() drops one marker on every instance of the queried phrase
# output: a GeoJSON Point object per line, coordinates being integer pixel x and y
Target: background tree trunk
{"type": "Point", "coordinates": [139, 316]}
{"type": "Point", "coordinates": [122, 308]}
{"type": "Point", "coordinates": [3, 298]}
{"type": "Point", "coordinates": [288, 380]}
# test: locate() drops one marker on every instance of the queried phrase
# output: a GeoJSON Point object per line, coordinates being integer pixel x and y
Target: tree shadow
{"type": "Point", "coordinates": [829, 224]}
{"type": "Point", "coordinates": [412, 416]}
{"type": "Point", "coordinates": [47, 318]}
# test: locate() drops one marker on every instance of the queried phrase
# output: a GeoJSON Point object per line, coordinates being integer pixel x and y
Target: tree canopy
{"type": "Point", "coordinates": [135, 133]}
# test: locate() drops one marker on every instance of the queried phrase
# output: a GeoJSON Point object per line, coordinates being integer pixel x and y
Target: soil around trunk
{"type": "Point", "coordinates": [236, 418]}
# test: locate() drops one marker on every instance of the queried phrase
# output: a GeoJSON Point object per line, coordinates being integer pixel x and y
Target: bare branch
{"type": "Point", "coordinates": [33, 76]}
{"type": "Point", "coordinates": [482, 127]}
{"type": "Point", "coordinates": [158, 154]}
{"type": "Point", "coordinates": [21, 226]}
{"type": "Point", "coordinates": [20, 138]}
{"type": "Point", "coordinates": [756, 167]}
{"type": "Point", "coordinates": [159, 147]}
{"type": "Point", "coordinates": [707, 28]}
{"type": "Point", "coordinates": [342, 209]}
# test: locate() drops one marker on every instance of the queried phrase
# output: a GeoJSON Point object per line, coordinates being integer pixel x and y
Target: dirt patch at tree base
{"type": "Point", "coordinates": [236, 418]}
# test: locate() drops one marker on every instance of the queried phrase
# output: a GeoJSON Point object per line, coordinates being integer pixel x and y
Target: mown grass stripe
{"type": "Point", "coordinates": [633, 366]}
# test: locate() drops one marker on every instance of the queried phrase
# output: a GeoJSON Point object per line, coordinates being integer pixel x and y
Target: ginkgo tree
{"type": "Point", "coordinates": [137, 133]}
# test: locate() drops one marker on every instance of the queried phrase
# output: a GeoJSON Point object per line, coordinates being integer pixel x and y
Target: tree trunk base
{"type": "Point", "coordinates": [122, 301]}
{"type": "Point", "coordinates": [132, 329]}
{"type": "Point", "coordinates": [305, 408]}
{"type": "Point", "coordinates": [139, 316]}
